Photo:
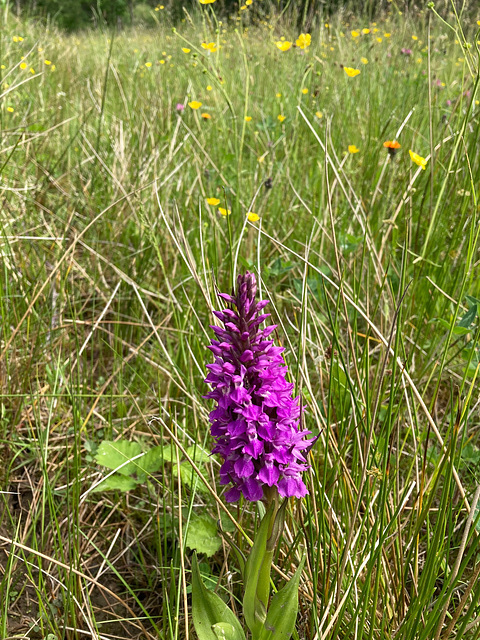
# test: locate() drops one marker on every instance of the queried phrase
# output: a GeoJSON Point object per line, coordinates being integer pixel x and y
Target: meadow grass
{"type": "Point", "coordinates": [111, 259]}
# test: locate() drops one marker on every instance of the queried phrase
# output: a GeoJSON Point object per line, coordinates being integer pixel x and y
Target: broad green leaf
{"type": "Point", "coordinates": [149, 463]}
{"type": "Point", "coordinates": [225, 631]}
{"type": "Point", "coordinates": [197, 454]}
{"type": "Point", "coordinates": [257, 576]}
{"type": "Point", "coordinates": [209, 611]}
{"type": "Point", "coordinates": [283, 610]}
{"type": "Point", "coordinates": [457, 330]}
{"type": "Point", "coordinates": [188, 476]}
{"type": "Point", "coordinates": [469, 318]}
{"type": "Point", "coordinates": [113, 454]}
{"type": "Point", "coordinates": [118, 482]}
{"type": "Point", "coordinates": [202, 535]}
{"type": "Point", "coordinates": [473, 300]}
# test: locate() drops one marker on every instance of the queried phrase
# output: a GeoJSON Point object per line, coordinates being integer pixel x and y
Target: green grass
{"type": "Point", "coordinates": [110, 260]}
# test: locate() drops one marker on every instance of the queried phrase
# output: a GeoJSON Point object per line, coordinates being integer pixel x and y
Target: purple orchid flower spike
{"type": "Point", "coordinates": [256, 421]}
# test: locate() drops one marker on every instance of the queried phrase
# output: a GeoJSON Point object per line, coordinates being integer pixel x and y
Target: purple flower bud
{"type": "Point", "coordinates": [179, 107]}
{"type": "Point", "coordinates": [256, 421]}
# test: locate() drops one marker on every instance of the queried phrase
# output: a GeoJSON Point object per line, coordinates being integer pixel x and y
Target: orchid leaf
{"type": "Point", "coordinates": [211, 616]}
{"type": "Point", "coordinates": [283, 610]}
{"type": "Point", "coordinates": [257, 576]}
{"type": "Point", "coordinates": [225, 631]}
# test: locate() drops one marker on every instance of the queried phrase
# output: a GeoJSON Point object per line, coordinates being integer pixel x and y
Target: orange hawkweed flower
{"type": "Point", "coordinates": [392, 146]}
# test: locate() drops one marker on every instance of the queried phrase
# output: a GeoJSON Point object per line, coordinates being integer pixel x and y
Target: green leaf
{"type": "Point", "coordinates": [188, 476]}
{"type": "Point", "coordinates": [469, 318]}
{"type": "Point", "coordinates": [197, 454]}
{"type": "Point", "coordinates": [113, 454]}
{"type": "Point", "coordinates": [283, 610]}
{"type": "Point", "coordinates": [210, 613]}
{"type": "Point", "coordinates": [118, 482]}
{"type": "Point", "coordinates": [257, 576]}
{"type": "Point", "coordinates": [458, 330]}
{"type": "Point", "coordinates": [225, 631]}
{"type": "Point", "coordinates": [202, 535]}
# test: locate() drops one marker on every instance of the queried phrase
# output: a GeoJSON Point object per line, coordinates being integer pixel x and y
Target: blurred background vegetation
{"type": "Point", "coordinates": [79, 14]}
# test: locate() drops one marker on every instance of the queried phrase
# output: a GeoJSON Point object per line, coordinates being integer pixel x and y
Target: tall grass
{"type": "Point", "coordinates": [111, 258]}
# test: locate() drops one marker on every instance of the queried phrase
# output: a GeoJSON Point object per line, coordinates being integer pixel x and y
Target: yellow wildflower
{"type": "Point", "coordinates": [319, 114]}
{"type": "Point", "coordinates": [351, 73]}
{"type": "Point", "coordinates": [364, 60]}
{"type": "Point", "coordinates": [148, 64]}
{"type": "Point", "coordinates": [206, 116]}
{"type": "Point", "coordinates": [353, 149]}
{"type": "Point", "coordinates": [278, 95]}
{"type": "Point", "coordinates": [248, 118]}
{"type": "Point", "coordinates": [283, 45]}
{"type": "Point", "coordinates": [252, 217]}
{"type": "Point", "coordinates": [387, 35]}
{"type": "Point", "coordinates": [209, 88]}
{"type": "Point", "coordinates": [248, 2]}
{"type": "Point", "coordinates": [213, 201]}
{"type": "Point", "coordinates": [305, 91]}
{"type": "Point", "coordinates": [281, 118]}
{"type": "Point", "coordinates": [303, 41]}
{"type": "Point", "coordinates": [418, 159]}
{"type": "Point", "coordinates": [209, 46]}
{"type": "Point", "coordinates": [414, 38]}
{"type": "Point", "coordinates": [365, 32]}
{"type": "Point", "coordinates": [10, 109]}
{"type": "Point", "coordinates": [194, 104]}
{"type": "Point", "coordinates": [185, 50]}
{"type": "Point", "coordinates": [23, 65]}
{"type": "Point", "coordinates": [206, 1]}
{"type": "Point", "coordinates": [224, 212]}
{"type": "Point", "coordinates": [355, 34]}
{"type": "Point", "coordinates": [47, 62]}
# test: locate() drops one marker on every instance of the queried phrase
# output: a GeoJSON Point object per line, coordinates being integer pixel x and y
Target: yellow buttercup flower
{"type": "Point", "coordinates": [387, 35]}
{"type": "Point", "coordinates": [252, 217]}
{"type": "Point", "coordinates": [206, 116]}
{"type": "Point", "coordinates": [248, 118]}
{"type": "Point", "coordinates": [213, 201]}
{"type": "Point", "coordinates": [418, 159]}
{"type": "Point", "coordinates": [148, 64]}
{"type": "Point", "coordinates": [319, 114]}
{"type": "Point", "coordinates": [194, 104]}
{"type": "Point", "coordinates": [210, 46]}
{"type": "Point", "coordinates": [284, 45]}
{"type": "Point", "coordinates": [281, 118]}
{"type": "Point", "coordinates": [209, 88]}
{"type": "Point", "coordinates": [364, 60]}
{"type": "Point", "coordinates": [365, 32]}
{"type": "Point", "coordinates": [303, 41]}
{"type": "Point", "coordinates": [353, 149]}
{"type": "Point", "coordinates": [185, 50]}
{"type": "Point", "coordinates": [224, 212]}
{"type": "Point", "coordinates": [278, 95]}
{"type": "Point", "coordinates": [351, 73]}
{"type": "Point", "coordinates": [305, 91]}
{"type": "Point", "coordinates": [10, 109]}
{"type": "Point", "coordinates": [206, 1]}
{"type": "Point", "coordinates": [23, 65]}
{"type": "Point", "coordinates": [355, 34]}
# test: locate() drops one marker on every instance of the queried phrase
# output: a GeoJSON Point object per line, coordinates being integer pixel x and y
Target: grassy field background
{"type": "Point", "coordinates": [110, 259]}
